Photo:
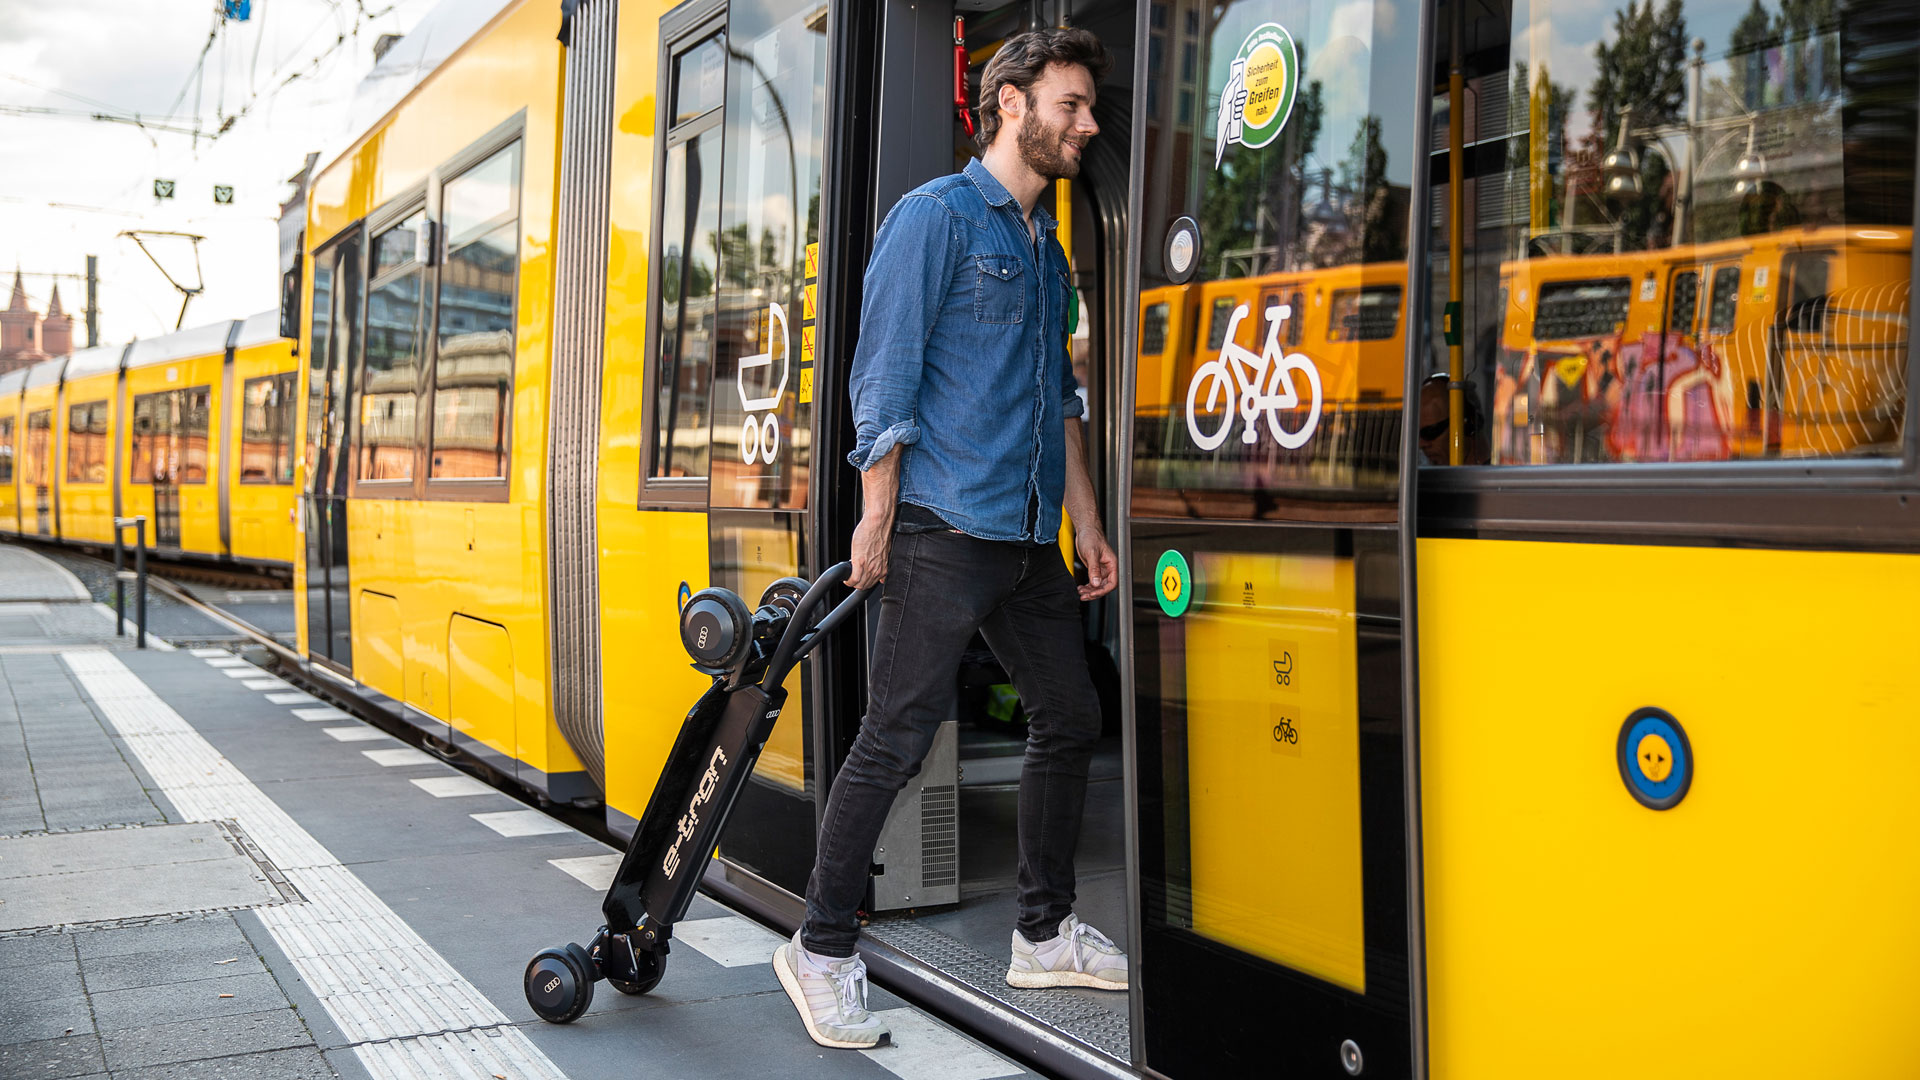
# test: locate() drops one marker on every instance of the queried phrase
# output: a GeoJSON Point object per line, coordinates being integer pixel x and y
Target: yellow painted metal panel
{"type": "Point", "coordinates": [644, 555]}
{"type": "Point", "coordinates": [10, 489]}
{"type": "Point", "coordinates": [1273, 761]}
{"type": "Point", "coordinates": [261, 516]}
{"type": "Point", "coordinates": [1574, 932]}
{"type": "Point", "coordinates": [86, 506]}
{"type": "Point", "coordinates": [377, 655]}
{"type": "Point", "coordinates": [480, 683]}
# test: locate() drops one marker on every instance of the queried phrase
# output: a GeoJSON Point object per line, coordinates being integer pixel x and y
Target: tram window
{"type": "Point", "coordinates": [390, 378]}
{"type": "Point", "coordinates": [700, 79]}
{"type": "Point", "coordinates": [191, 433]}
{"type": "Point", "coordinates": [6, 449]}
{"type": "Point", "coordinates": [1296, 322]}
{"type": "Point", "coordinates": [473, 357]}
{"type": "Point", "coordinates": [266, 429]}
{"type": "Point", "coordinates": [1685, 307]}
{"type": "Point", "coordinates": [1581, 309]}
{"type": "Point", "coordinates": [1366, 314]}
{"type": "Point", "coordinates": [1757, 190]}
{"type": "Point", "coordinates": [1726, 299]}
{"type": "Point", "coordinates": [689, 266]}
{"type": "Point", "coordinates": [39, 439]}
{"type": "Point", "coordinates": [1153, 329]}
{"type": "Point", "coordinates": [87, 443]}
{"type": "Point", "coordinates": [1806, 308]}
{"type": "Point", "coordinates": [152, 428]}
{"type": "Point", "coordinates": [1217, 325]}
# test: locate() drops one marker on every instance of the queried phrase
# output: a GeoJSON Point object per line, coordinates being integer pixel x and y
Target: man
{"type": "Point", "coordinates": [969, 442]}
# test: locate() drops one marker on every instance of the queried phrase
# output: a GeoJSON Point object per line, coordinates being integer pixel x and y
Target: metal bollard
{"type": "Point", "coordinates": [138, 577]}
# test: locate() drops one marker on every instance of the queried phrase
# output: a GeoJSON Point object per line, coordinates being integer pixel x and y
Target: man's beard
{"type": "Point", "coordinates": [1040, 148]}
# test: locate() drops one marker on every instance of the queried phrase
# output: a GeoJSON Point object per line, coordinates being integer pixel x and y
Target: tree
{"type": "Point", "coordinates": [1250, 180]}
{"type": "Point", "coordinates": [1645, 71]}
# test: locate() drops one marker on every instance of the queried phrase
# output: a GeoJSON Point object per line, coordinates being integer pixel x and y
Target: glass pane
{"type": "Point", "coordinates": [390, 384]}
{"type": "Point", "coordinates": [6, 450]}
{"type": "Point", "coordinates": [322, 341]}
{"type": "Point", "coordinates": [87, 443]}
{"type": "Point", "coordinates": [762, 372]}
{"type": "Point", "coordinates": [1284, 402]}
{"type": "Point", "coordinates": [1771, 167]}
{"type": "Point", "coordinates": [39, 431]}
{"type": "Point", "coordinates": [191, 407]}
{"type": "Point", "coordinates": [473, 370]}
{"type": "Point", "coordinates": [396, 247]}
{"type": "Point", "coordinates": [700, 78]}
{"type": "Point", "coordinates": [689, 276]}
{"type": "Point", "coordinates": [263, 421]}
{"type": "Point", "coordinates": [481, 196]}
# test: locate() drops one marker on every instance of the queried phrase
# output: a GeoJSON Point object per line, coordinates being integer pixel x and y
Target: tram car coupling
{"type": "Point", "coordinates": [748, 654]}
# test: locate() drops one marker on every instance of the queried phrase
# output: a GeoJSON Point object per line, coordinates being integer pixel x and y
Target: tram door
{"type": "Point", "coordinates": [1264, 529]}
{"type": "Point", "coordinates": [335, 344]}
{"type": "Point", "coordinates": [737, 268]}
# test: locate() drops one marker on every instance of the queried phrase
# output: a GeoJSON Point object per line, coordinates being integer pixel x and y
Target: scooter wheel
{"type": "Point", "coordinates": [559, 985]}
{"type": "Point", "coordinates": [653, 967]}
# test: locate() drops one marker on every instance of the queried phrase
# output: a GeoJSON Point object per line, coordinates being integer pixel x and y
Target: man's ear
{"type": "Point", "coordinates": [1013, 103]}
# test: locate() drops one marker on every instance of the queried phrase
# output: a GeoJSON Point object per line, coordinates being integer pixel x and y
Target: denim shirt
{"type": "Point", "coordinates": [962, 361]}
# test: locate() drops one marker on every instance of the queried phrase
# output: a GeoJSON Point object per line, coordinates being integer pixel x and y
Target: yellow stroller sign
{"type": "Point", "coordinates": [1258, 97]}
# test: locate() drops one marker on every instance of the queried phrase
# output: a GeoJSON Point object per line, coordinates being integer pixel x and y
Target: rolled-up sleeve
{"type": "Point", "coordinates": [906, 285]}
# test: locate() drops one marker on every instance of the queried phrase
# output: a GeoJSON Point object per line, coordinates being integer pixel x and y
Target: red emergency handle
{"type": "Point", "coordinates": [960, 74]}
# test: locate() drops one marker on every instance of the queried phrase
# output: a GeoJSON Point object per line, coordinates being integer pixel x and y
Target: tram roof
{"type": "Point", "coordinates": [440, 33]}
{"type": "Point", "coordinates": [199, 341]}
{"type": "Point", "coordinates": [12, 381]}
{"type": "Point", "coordinates": [46, 372]}
{"type": "Point", "coordinates": [94, 361]}
{"type": "Point", "coordinates": [262, 328]}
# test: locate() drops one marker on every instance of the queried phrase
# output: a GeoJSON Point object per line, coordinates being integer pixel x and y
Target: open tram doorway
{"type": "Point", "coordinates": [944, 875]}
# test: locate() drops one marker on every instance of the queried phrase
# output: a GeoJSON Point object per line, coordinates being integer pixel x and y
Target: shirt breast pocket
{"type": "Point", "coordinates": [999, 289]}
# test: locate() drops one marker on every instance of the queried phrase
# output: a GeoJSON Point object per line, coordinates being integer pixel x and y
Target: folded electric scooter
{"type": "Point", "coordinates": [748, 654]}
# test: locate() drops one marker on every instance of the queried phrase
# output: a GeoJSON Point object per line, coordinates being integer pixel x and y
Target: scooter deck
{"type": "Point", "coordinates": [711, 760]}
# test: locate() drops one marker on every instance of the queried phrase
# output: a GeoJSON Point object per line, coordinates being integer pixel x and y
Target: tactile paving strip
{"type": "Point", "coordinates": [1070, 1014]}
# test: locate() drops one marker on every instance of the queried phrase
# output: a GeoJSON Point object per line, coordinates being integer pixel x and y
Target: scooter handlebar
{"type": "Point", "coordinates": [799, 639]}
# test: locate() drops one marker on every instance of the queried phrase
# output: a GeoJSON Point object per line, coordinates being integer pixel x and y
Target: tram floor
{"type": "Point", "coordinates": [976, 932]}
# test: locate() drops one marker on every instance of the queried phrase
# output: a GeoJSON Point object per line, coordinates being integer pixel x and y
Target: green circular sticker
{"type": "Point", "coordinates": [1173, 583]}
{"type": "Point", "coordinates": [1258, 96]}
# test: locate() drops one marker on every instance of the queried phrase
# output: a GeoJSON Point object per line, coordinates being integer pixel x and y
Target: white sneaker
{"type": "Point", "coordinates": [831, 995]}
{"type": "Point", "coordinates": [1080, 956]}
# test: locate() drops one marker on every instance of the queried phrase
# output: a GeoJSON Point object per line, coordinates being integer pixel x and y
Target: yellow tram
{"type": "Point", "coordinates": [193, 431]}
{"type": "Point", "coordinates": [1484, 577]}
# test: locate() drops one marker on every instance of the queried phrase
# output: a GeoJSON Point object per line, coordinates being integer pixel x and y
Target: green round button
{"type": "Point", "coordinates": [1173, 583]}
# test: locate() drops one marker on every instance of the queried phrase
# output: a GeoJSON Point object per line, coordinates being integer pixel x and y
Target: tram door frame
{"type": "Point", "coordinates": [323, 503]}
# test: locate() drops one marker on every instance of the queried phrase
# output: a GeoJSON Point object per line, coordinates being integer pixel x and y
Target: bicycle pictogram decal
{"type": "Point", "coordinates": [1253, 385]}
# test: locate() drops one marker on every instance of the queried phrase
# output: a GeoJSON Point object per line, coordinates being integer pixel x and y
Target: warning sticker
{"type": "Point", "coordinates": [807, 312]}
{"type": "Point", "coordinates": [806, 344]}
{"type": "Point", "coordinates": [1258, 97]}
{"type": "Point", "coordinates": [813, 260]}
{"type": "Point", "coordinates": [806, 386]}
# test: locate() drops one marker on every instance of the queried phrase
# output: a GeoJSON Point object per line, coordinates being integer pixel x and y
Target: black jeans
{"type": "Point", "coordinates": [941, 587]}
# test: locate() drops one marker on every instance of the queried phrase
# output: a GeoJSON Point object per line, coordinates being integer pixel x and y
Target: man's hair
{"type": "Point", "coordinates": [1025, 58]}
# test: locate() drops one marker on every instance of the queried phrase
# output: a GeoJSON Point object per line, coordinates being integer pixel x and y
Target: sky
{"type": "Point", "coordinates": [70, 185]}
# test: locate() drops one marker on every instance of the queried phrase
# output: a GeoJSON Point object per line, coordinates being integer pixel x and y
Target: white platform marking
{"type": "Point", "coordinates": [452, 787]}
{"type": "Point", "coordinates": [356, 734]}
{"type": "Point", "coordinates": [153, 642]}
{"type": "Point", "coordinates": [924, 1049]}
{"type": "Point", "coordinates": [324, 712]}
{"type": "Point", "coordinates": [266, 683]}
{"type": "Point", "coordinates": [520, 823]}
{"type": "Point", "coordinates": [224, 659]}
{"type": "Point", "coordinates": [730, 941]}
{"type": "Point", "coordinates": [247, 672]}
{"type": "Point", "coordinates": [203, 653]}
{"type": "Point", "coordinates": [382, 985]}
{"type": "Point", "coordinates": [399, 756]}
{"type": "Point", "coordinates": [294, 698]}
{"type": "Point", "coordinates": [594, 871]}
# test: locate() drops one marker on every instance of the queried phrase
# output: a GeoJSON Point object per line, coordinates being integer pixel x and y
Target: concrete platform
{"type": "Point", "coordinates": [373, 919]}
